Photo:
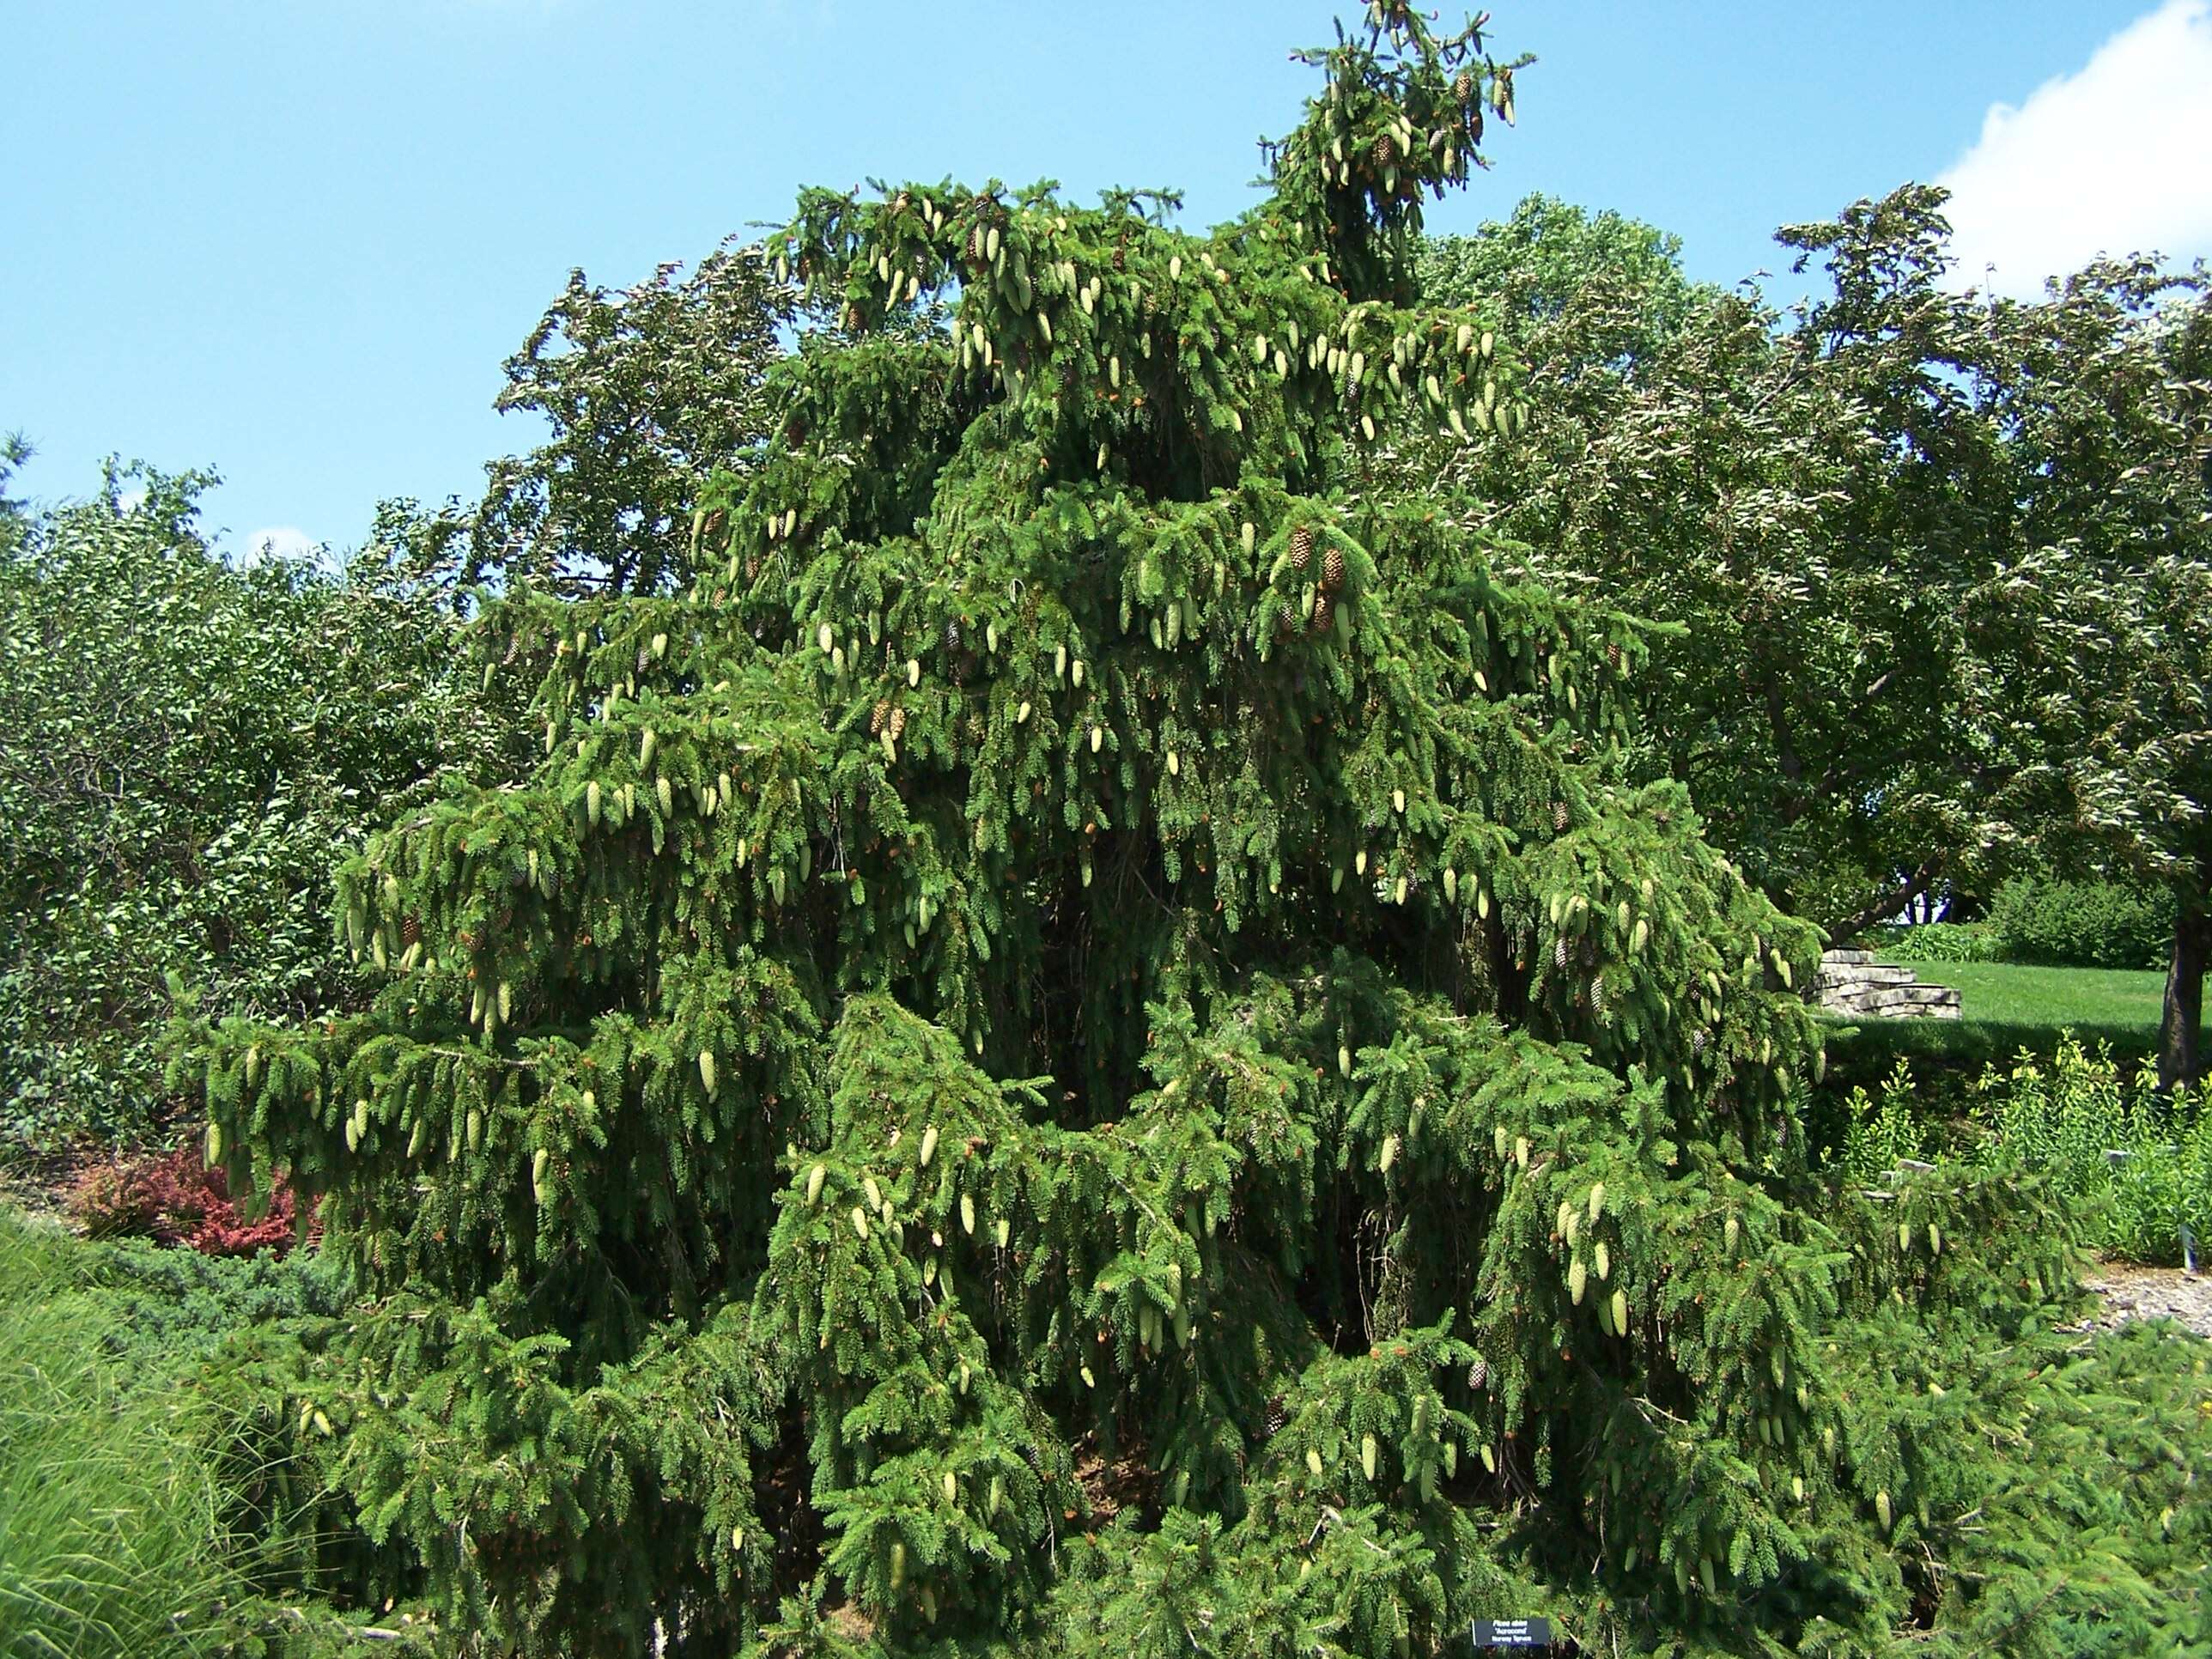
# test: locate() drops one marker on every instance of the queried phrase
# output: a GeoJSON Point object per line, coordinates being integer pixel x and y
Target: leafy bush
{"type": "Point", "coordinates": [1939, 941]}
{"type": "Point", "coordinates": [192, 746]}
{"type": "Point", "coordinates": [2068, 1115]}
{"type": "Point", "coordinates": [180, 1305]}
{"type": "Point", "coordinates": [2061, 1116]}
{"type": "Point", "coordinates": [176, 1197]}
{"type": "Point", "coordinates": [1882, 1132]}
{"type": "Point", "coordinates": [2082, 924]}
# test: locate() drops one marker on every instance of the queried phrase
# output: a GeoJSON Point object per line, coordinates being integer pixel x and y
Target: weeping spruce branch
{"type": "Point", "coordinates": [1089, 965]}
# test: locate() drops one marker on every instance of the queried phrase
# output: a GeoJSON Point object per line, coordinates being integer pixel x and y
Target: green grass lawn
{"type": "Point", "coordinates": [2090, 999]}
{"type": "Point", "coordinates": [2004, 1007]}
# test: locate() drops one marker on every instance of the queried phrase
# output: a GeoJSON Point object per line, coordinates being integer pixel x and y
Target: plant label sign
{"type": "Point", "coordinates": [1513, 1633]}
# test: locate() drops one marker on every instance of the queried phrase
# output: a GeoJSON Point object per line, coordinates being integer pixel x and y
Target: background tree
{"type": "Point", "coordinates": [1936, 557]}
{"type": "Point", "coordinates": [1575, 291]}
{"type": "Point", "coordinates": [648, 391]}
{"type": "Point", "coordinates": [15, 450]}
{"type": "Point", "coordinates": [192, 746]}
{"type": "Point", "coordinates": [1102, 958]}
{"type": "Point", "coordinates": [2105, 392]}
{"type": "Point", "coordinates": [1877, 668]}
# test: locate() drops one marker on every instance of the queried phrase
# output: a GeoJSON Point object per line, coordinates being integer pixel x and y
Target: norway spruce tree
{"type": "Point", "coordinates": [1087, 1045]}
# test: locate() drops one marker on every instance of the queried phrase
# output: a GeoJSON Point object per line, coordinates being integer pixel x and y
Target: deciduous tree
{"type": "Point", "coordinates": [648, 391]}
{"type": "Point", "coordinates": [189, 748]}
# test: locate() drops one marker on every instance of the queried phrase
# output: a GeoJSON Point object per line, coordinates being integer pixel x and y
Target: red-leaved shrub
{"type": "Point", "coordinates": [174, 1199]}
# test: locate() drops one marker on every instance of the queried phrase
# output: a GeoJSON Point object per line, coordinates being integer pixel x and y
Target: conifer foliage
{"type": "Point", "coordinates": [1086, 1045]}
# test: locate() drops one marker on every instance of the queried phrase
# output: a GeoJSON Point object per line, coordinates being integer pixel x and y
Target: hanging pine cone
{"type": "Point", "coordinates": [1332, 571]}
{"type": "Point", "coordinates": [411, 929]}
{"type": "Point", "coordinates": [1463, 88]}
{"type": "Point", "coordinates": [1612, 652]}
{"type": "Point", "coordinates": [1382, 152]}
{"type": "Point", "coordinates": [1324, 614]}
{"type": "Point", "coordinates": [974, 245]}
{"type": "Point", "coordinates": [952, 634]}
{"type": "Point", "coordinates": [1559, 952]}
{"type": "Point", "coordinates": [1276, 1416]}
{"type": "Point", "coordinates": [1301, 548]}
{"type": "Point", "coordinates": [881, 713]}
{"type": "Point", "coordinates": [1558, 815]}
{"type": "Point", "coordinates": [1478, 1373]}
{"type": "Point", "coordinates": [1597, 997]}
{"type": "Point", "coordinates": [1286, 620]}
{"type": "Point", "coordinates": [896, 724]}
{"type": "Point", "coordinates": [1698, 1041]}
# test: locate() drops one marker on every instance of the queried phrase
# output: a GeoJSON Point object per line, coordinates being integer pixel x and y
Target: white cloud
{"type": "Point", "coordinates": [2109, 159]}
{"type": "Point", "coordinates": [281, 541]}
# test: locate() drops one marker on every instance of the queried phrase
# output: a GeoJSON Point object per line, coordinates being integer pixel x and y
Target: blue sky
{"type": "Point", "coordinates": [294, 238]}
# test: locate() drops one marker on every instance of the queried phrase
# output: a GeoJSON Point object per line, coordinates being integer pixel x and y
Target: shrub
{"type": "Point", "coordinates": [1882, 1131]}
{"type": "Point", "coordinates": [2133, 1166]}
{"type": "Point", "coordinates": [2069, 1115]}
{"type": "Point", "coordinates": [175, 1198]}
{"type": "Point", "coordinates": [193, 746]}
{"type": "Point", "coordinates": [1939, 941]}
{"type": "Point", "coordinates": [2082, 924]}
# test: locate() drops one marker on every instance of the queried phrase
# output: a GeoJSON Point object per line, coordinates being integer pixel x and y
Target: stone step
{"type": "Point", "coordinates": [1873, 973]}
{"type": "Point", "coordinates": [1888, 997]}
{"type": "Point", "coordinates": [1897, 1009]}
{"type": "Point", "coordinates": [1857, 985]}
{"type": "Point", "coordinates": [1910, 988]}
{"type": "Point", "coordinates": [1911, 1011]}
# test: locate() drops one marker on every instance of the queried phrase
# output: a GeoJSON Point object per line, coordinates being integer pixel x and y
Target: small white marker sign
{"type": "Point", "coordinates": [1513, 1633]}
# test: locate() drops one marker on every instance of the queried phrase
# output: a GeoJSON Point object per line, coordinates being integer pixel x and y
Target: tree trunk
{"type": "Point", "coordinates": [1786, 752]}
{"type": "Point", "coordinates": [1510, 978]}
{"type": "Point", "coordinates": [2179, 1029]}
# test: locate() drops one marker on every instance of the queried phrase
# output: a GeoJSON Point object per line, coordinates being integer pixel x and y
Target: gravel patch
{"type": "Point", "coordinates": [2125, 1291]}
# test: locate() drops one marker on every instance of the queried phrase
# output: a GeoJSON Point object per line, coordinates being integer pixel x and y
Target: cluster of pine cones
{"type": "Point", "coordinates": [1325, 590]}
{"type": "Point", "coordinates": [1465, 93]}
